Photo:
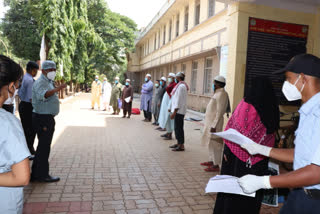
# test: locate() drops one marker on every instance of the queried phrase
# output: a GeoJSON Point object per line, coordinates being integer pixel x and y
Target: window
{"type": "Point", "coordinates": [159, 39]}
{"type": "Point", "coordinates": [164, 35]}
{"type": "Point", "coordinates": [194, 75]}
{"type": "Point", "coordinates": [147, 47]}
{"type": "Point", "coordinates": [186, 19]}
{"type": "Point", "coordinates": [197, 13]}
{"type": "Point", "coordinates": [155, 42]}
{"type": "Point", "coordinates": [141, 53]}
{"type": "Point", "coordinates": [208, 76]}
{"type": "Point", "coordinates": [177, 25]}
{"type": "Point", "coordinates": [184, 68]}
{"type": "Point", "coordinates": [170, 30]}
{"type": "Point", "coordinates": [211, 5]}
{"type": "Point", "coordinates": [174, 69]}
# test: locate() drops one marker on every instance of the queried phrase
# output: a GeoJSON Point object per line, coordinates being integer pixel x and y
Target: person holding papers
{"type": "Point", "coordinates": [302, 82]}
{"type": "Point", "coordinates": [256, 117]}
{"type": "Point", "coordinates": [127, 97]}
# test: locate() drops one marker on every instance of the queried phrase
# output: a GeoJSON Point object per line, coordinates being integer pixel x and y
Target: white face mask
{"type": "Point", "coordinates": [291, 92]}
{"type": "Point", "coordinates": [51, 75]}
{"type": "Point", "coordinates": [11, 99]}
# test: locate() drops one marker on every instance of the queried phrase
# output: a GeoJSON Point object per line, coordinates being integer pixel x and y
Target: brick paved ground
{"type": "Point", "coordinates": [112, 165]}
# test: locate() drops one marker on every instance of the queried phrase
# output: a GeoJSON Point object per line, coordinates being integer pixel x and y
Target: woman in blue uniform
{"type": "Point", "coordinates": [14, 153]}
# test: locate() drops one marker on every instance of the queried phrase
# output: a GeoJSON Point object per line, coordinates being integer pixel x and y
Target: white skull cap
{"type": "Point", "coordinates": [220, 79]}
{"type": "Point", "coordinates": [117, 78]}
{"type": "Point", "coordinates": [128, 80]}
{"type": "Point", "coordinates": [97, 76]}
{"type": "Point", "coordinates": [148, 75]}
{"type": "Point", "coordinates": [180, 74]}
{"type": "Point", "coordinates": [172, 75]}
{"type": "Point", "coordinates": [164, 79]}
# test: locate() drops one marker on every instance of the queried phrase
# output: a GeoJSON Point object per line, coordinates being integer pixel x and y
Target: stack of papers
{"type": "Point", "coordinates": [234, 136]}
{"type": "Point", "coordinates": [226, 184]}
{"type": "Point", "coordinates": [127, 99]}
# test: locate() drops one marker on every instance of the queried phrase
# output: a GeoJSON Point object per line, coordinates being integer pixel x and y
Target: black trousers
{"type": "Point", "coordinates": [127, 108]}
{"type": "Point", "coordinates": [8, 108]}
{"type": "Point", "coordinates": [44, 128]}
{"type": "Point", "coordinates": [178, 128]}
{"type": "Point", "coordinates": [148, 114]}
{"type": "Point", "coordinates": [231, 203]}
{"type": "Point", "coordinates": [25, 111]}
{"type": "Point", "coordinates": [299, 202]}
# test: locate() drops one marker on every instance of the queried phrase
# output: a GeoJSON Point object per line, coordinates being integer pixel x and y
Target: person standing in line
{"type": "Point", "coordinates": [302, 82]}
{"type": "Point", "coordinates": [126, 94]}
{"type": "Point", "coordinates": [96, 91]}
{"type": "Point", "coordinates": [115, 96]}
{"type": "Point", "coordinates": [14, 153]}
{"type": "Point", "coordinates": [46, 106]}
{"type": "Point", "coordinates": [178, 109]}
{"type": "Point", "coordinates": [256, 117]}
{"type": "Point", "coordinates": [215, 111]}
{"type": "Point", "coordinates": [106, 94]}
{"type": "Point", "coordinates": [146, 98]}
{"type": "Point", "coordinates": [165, 123]}
{"type": "Point", "coordinates": [25, 106]}
{"type": "Point", "coordinates": [159, 92]}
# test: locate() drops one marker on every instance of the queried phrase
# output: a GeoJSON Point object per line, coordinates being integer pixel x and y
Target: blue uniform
{"type": "Point", "coordinates": [13, 149]}
{"type": "Point", "coordinates": [25, 91]}
{"type": "Point", "coordinates": [307, 142]}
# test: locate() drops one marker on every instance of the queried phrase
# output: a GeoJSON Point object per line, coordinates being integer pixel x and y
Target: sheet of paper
{"type": "Point", "coordinates": [127, 99]}
{"type": "Point", "coordinates": [234, 136]}
{"type": "Point", "coordinates": [226, 184]}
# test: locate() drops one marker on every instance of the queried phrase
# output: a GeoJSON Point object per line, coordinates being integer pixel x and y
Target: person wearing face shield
{"type": "Point", "coordinates": [302, 82]}
{"type": "Point", "coordinates": [96, 92]}
{"type": "Point", "coordinates": [46, 106]}
{"type": "Point", "coordinates": [14, 152]}
{"type": "Point", "coordinates": [146, 98]}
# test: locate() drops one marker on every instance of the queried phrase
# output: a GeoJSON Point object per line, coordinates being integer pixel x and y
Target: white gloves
{"type": "Point", "coordinates": [252, 183]}
{"type": "Point", "coordinates": [254, 149]}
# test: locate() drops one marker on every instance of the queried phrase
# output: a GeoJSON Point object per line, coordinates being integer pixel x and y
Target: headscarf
{"type": "Point", "coordinates": [170, 87]}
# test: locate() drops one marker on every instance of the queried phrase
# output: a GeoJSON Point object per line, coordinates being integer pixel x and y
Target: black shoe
{"type": "Point", "coordinates": [31, 157]}
{"type": "Point", "coordinates": [128, 116]}
{"type": "Point", "coordinates": [154, 123]}
{"type": "Point", "coordinates": [124, 116]}
{"type": "Point", "coordinates": [174, 146]}
{"type": "Point", "coordinates": [164, 135]}
{"type": "Point", "coordinates": [48, 179]}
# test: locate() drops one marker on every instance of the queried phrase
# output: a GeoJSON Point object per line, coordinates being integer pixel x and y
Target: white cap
{"type": "Point", "coordinates": [105, 78]}
{"type": "Point", "coordinates": [180, 74]}
{"type": "Point", "coordinates": [117, 78]}
{"type": "Point", "coordinates": [220, 79]}
{"type": "Point", "coordinates": [97, 76]}
{"type": "Point", "coordinates": [148, 75]}
{"type": "Point", "coordinates": [172, 75]}
{"type": "Point", "coordinates": [164, 79]}
{"type": "Point", "coordinates": [128, 80]}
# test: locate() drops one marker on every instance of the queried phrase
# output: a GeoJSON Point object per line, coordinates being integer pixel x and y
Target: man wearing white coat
{"type": "Point", "coordinates": [217, 107]}
{"type": "Point", "coordinates": [106, 94]}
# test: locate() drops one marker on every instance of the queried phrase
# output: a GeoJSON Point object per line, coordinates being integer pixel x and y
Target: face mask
{"type": "Point", "coordinates": [291, 92]}
{"type": "Point", "coordinates": [146, 79]}
{"type": "Point", "coordinates": [161, 83]}
{"type": "Point", "coordinates": [51, 75]}
{"type": "Point", "coordinates": [11, 99]}
{"type": "Point", "coordinates": [127, 84]}
{"type": "Point", "coordinates": [176, 80]}
{"type": "Point", "coordinates": [116, 81]}
{"type": "Point", "coordinates": [170, 80]}
{"type": "Point", "coordinates": [213, 87]}
{"type": "Point", "coordinates": [157, 85]}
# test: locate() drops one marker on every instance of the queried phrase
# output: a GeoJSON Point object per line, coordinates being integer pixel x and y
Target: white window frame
{"type": "Point", "coordinates": [208, 76]}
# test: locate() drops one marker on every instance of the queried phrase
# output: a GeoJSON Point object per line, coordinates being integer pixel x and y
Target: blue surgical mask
{"type": "Point", "coordinates": [146, 79]}
{"type": "Point", "coordinates": [116, 81]}
{"type": "Point", "coordinates": [157, 85]}
{"type": "Point", "coordinates": [127, 84]}
{"type": "Point", "coordinates": [170, 80]}
{"type": "Point", "coordinates": [213, 87]}
{"type": "Point", "coordinates": [161, 83]}
{"type": "Point", "coordinates": [96, 80]}
{"type": "Point", "coordinates": [176, 80]}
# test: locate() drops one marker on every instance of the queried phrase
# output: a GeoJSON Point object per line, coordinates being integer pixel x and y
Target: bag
{"type": "Point", "coordinates": [119, 103]}
{"type": "Point", "coordinates": [135, 111]}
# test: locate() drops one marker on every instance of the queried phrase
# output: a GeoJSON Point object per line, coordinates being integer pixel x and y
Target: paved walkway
{"type": "Point", "coordinates": [111, 165]}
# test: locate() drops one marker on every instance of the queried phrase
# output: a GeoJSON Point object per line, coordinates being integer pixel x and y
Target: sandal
{"type": "Point", "coordinates": [209, 163]}
{"type": "Point", "coordinates": [174, 146]}
{"type": "Point", "coordinates": [212, 169]}
{"type": "Point", "coordinates": [178, 149]}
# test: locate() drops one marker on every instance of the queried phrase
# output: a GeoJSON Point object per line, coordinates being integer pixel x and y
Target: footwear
{"type": "Point", "coordinates": [124, 116]}
{"type": "Point", "coordinates": [48, 179]}
{"type": "Point", "coordinates": [179, 148]}
{"type": "Point", "coordinates": [214, 168]}
{"type": "Point", "coordinates": [159, 128]}
{"type": "Point", "coordinates": [128, 116]}
{"type": "Point", "coordinates": [164, 135]}
{"type": "Point", "coordinates": [163, 130]}
{"type": "Point", "coordinates": [113, 113]}
{"type": "Point", "coordinates": [209, 163]}
{"type": "Point", "coordinates": [148, 120]}
{"type": "Point", "coordinates": [31, 157]}
{"type": "Point", "coordinates": [167, 138]}
{"type": "Point", "coordinates": [154, 123]}
{"type": "Point", "coordinates": [174, 146]}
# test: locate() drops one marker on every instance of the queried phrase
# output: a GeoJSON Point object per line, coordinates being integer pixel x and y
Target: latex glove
{"type": "Point", "coordinates": [254, 149]}
{"type": "Point", "coordinates": [252, 183]}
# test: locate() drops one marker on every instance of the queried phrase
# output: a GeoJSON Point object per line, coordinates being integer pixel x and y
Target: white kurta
{"type": "Point", "coordinates": [106, 95]}
{"type": "Point", "coordinates": [215, 111]}
{"type": "Point", "coordinates": [13, 150]}
{"type": "Point", "coordinates": [164, 113]}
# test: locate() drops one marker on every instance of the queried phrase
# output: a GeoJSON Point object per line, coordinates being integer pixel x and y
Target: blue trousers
{"type": "Point", "coordinates": [299, 202]}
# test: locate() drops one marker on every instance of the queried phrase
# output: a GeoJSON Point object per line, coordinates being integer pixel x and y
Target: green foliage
{"type": "Point", "coordinates": [84, 36]}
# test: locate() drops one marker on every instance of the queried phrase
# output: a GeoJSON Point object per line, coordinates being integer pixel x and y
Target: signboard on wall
{"type": "Point", "coordinates": [271, 45]}
{"type": "Point", "coordinates": [224, 61]}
